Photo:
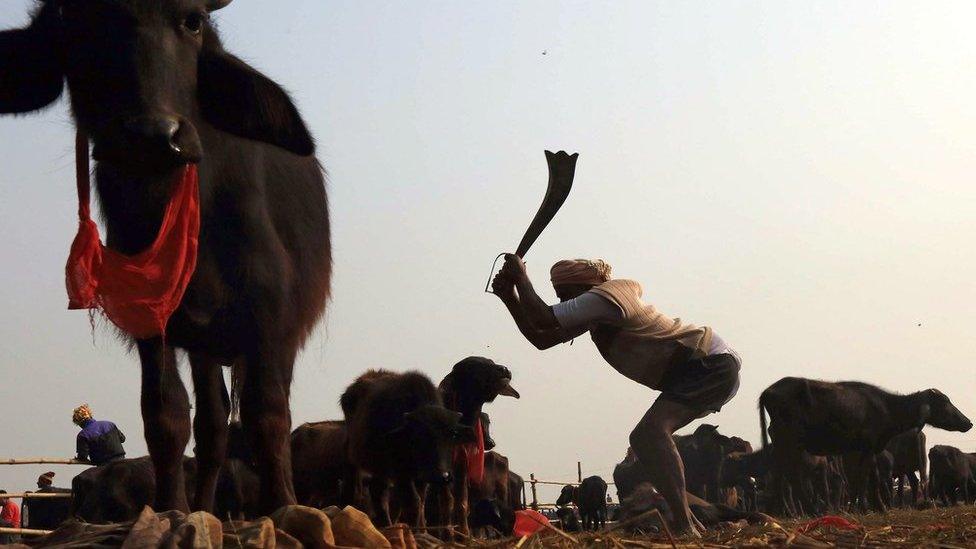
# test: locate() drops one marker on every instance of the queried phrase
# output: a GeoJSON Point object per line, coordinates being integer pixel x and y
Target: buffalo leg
{"type": "Point", "coordinates": [411, 503]}
{"type": "Point", "coordinates": [460, 499]}
{"type": "Point", "coordinates": [266, 420]}
{"type": "Point", "coordinates": [166, 421]}
{"type": "Point", "coordinates": [209, 427]}
{"type": "Point", "coordinates": [379, 494]}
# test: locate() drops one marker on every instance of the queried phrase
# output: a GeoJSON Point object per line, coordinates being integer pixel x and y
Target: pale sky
{"type": "Point", "coordinates": [795, 174]}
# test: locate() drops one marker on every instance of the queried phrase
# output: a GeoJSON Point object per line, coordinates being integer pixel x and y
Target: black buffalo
{"type": "Point", "coordinates": [46, 513]}
{"type": "Point", "coordinates": [908, 450]}
{"type": "Point", "coordinates": [590, 498]}
{"type": "Point", "coordinates": [154, 89]}
{"type": "Point", "coordinates": [472, 383]}
{"type": "Point", "coordinates": [850, 418]}
{"type": "Point", "coordinates": [702, 454]}
{"type": "Point", "coordinates": [401, 434]}
{"type": "Point", "coordinates": [952, 474]}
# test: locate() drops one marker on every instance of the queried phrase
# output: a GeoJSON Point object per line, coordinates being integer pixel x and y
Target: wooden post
{"type": "Point", "coordinates": [579, 472]}
{"type": "Point", "coordinates": [535, 499]}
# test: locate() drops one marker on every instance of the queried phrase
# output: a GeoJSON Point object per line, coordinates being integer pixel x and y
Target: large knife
{"type": "Point", "coordinates": [562, 168]}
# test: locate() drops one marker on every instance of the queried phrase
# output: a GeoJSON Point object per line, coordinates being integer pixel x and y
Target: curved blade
{"type": "Point", "coordinates": [562, 168]}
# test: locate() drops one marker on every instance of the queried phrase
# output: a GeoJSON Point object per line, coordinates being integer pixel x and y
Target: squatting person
{"type": "Point", "coordinates": [695, 370]}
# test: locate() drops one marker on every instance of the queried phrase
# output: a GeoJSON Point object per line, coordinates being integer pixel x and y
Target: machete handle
{"type": "Point", "coordinates": [491, 274]}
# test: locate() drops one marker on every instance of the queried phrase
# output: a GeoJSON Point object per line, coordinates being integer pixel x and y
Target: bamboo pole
{"type": "Point", "coordinates": [38, 461]}
{"type": "Point", "coordinates": [37, 495]}
{"type": "Point", "coordinates": [25, 531]}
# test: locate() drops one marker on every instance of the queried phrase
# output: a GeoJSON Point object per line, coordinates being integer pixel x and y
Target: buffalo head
{"type": "Point", "coordinates": [431, 433]}
{"type": "Point", "coordinates": [938, 411]}
{"type": "Point", "coordinates": [567, 495]}
{"type": "Point", "coordinates": [147, 80]}
{"type": "Point", "coordinates": [477, 380]}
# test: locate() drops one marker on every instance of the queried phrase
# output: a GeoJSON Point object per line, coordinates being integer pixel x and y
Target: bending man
{"type": "Point", "coordinates": [696, 372]}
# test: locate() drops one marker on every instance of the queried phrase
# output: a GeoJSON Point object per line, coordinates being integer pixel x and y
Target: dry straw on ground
{"type": "Point", "coordinates": [943, 528]}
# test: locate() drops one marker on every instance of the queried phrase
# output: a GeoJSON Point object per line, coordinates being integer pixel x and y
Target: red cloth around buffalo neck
{"type": "Point", "coordinates": [472, 455]}
{"type": "Point", "coordinates": [138, 293]}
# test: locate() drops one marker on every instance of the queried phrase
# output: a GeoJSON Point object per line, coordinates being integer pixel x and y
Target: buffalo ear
{"type": "Point", "coordinates": [31, 76]}
{"type": "Point", "coordinates": [240, 100]}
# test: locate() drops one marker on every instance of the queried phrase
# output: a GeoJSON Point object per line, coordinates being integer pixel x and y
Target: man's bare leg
{"type": "Point", "coordinates": [652, 442]}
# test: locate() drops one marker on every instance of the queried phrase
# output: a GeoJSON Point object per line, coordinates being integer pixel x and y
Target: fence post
{"type": "Point", "coordinates": [535, 499]}
{"type": "Point", "coordinates": [579, 472]}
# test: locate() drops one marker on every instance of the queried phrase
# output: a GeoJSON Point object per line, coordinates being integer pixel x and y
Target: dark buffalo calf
{"type": "Point", "coordinates": [117, 491]}
{"type": "Point", "coordinates": [849, 417]}
{"type": "Point", "coordinates": [321, 470]}
{"type": "Point", "coordinates": [491, 518]}
{"type": "Point", "coordinates": [569, 520]}
{"type": "Point", "coordinates": [951, 475]}
{"type": "Point", "coordinates": [702, 453]}
{"type": "Point", "coordinates": [46, 513]}
{"type": "Point", "coordinates": [401, 434]}
{"type": "Point", "coordinates": [908, 450]}
{"type": "Point", "coordinates": [591, 499]}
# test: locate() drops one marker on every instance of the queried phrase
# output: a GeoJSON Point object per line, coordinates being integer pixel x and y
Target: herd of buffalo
{"type": "Point", "coordinates": [408, 450]}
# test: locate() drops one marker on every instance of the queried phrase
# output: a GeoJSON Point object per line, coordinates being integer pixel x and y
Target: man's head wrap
{"type": "Point", "coordinates": [81, 414]}
{"type": "Point", "coordinates": [580, 271]}
{"type": "Point", "coordinates": [47, 479]}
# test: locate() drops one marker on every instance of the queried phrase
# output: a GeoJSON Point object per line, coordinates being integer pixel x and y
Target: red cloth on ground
{"type": "Point", "coordinates": [472, 454]}
{"type": "Point", "coordinates": [10, 513]}
{"type": "Point", "coordinates": [828, 520]}
{"type": "Point", "coordinates": [528, 522]}
{"type": "Point", "coordinates": [137, 293]}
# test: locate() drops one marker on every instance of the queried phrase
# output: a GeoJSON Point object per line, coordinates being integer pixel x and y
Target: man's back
{"type": "Point", "coordinates": [100, 442]}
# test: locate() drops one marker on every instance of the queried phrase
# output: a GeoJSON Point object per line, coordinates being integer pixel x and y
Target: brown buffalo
{"type": "Point", "coordinates": [321, 469]}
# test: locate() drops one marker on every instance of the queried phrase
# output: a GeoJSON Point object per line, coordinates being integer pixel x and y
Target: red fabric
{"type": "Point", "coordinates": [137, 293]}
{"type": "Point", "coordinates": [472, 454]}
{"type": "Point", "coordinates": [829, 520]}
{"type": "Point", "coordinates": [528, 522]}
{"type": "Point", "coordinates": [10, 513]}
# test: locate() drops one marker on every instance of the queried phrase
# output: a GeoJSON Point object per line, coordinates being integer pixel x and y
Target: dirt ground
{"type": "Point", "coordinates": [944, 528]}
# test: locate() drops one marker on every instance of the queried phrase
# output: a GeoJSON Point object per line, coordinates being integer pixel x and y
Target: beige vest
{"type": "Point", "coordinates": [645, 343]}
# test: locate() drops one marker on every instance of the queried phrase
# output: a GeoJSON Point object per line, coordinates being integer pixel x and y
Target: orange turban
{"type": "Point", "coordinates": [580, 271]}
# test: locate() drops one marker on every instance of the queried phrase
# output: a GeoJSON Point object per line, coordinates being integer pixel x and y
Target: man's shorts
{"type": "Point", "coordinates": [704, 384]}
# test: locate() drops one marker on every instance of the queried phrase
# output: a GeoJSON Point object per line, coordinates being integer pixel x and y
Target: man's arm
{"type": "Point", "coordinates": [532, 315]}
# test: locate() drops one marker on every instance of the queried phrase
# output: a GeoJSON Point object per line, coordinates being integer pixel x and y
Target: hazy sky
{"type": "Point", "coordinates": [797, 175]}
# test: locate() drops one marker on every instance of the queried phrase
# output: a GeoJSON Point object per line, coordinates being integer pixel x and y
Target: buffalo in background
{"type": "Point", "coordinates": [852, 418]}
